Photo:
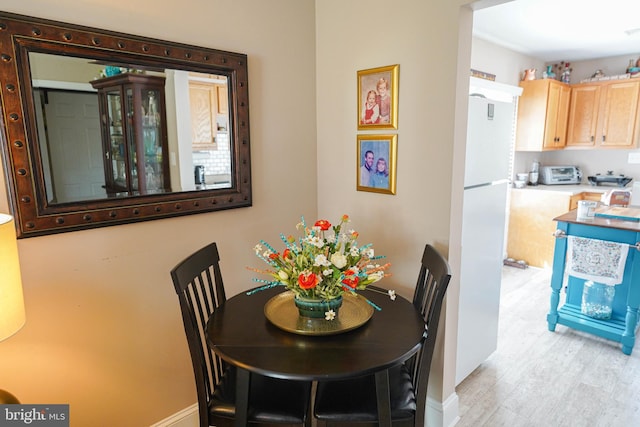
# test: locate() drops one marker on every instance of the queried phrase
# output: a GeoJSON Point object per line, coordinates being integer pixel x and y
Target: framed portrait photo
{"type": "Point", "coordinates": [377, 163]}
{"type": "Point", "coordinates": [378, 98]}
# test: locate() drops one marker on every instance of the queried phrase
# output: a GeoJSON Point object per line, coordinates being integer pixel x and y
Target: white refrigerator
{"type": "Point", "coordinates": [490, 133]}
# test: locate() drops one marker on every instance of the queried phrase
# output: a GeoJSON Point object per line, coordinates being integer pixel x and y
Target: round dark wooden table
{"type": "Point", "coordinates": [240, 333]}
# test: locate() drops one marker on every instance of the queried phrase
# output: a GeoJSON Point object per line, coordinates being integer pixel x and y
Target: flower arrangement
{"type": "Point", "coordinates": [320, 264]}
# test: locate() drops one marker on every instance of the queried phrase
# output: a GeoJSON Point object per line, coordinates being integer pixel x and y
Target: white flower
{"type": "Point", "coordinates": [327, 272]}
{"type": "Point", "coordinates": [321, 260]}
{"type": "Point", "coordinates": [316, 241]}
{"type": "Point", "coordinates": [283, 275]}
{"type": "Point", "coordinates": [354, 252]}
{"type": "Point", "coordinates": [266, 254]}
{"type": "Point", "coordinates": [257, 248]}
{"type": "Point", "coordinates": [339, 260]}
{"type": "Point", "coordinates": [376, 276]}
{"type": "Point", "coordinates": [392, 294]}
{"type": "Point", "coordinates": [331, 239]}
{"type": "Point", "coordinates": [330, 315]}
{"type": "Point", "coordinates": [369, 252]}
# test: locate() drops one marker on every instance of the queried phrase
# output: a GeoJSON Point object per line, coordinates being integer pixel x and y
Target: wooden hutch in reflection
{"type": "Point", "coordinates": [134, 134]}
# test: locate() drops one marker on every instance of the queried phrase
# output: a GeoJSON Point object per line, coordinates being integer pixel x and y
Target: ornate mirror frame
{"type": "Point", "coordinates": [34, 216]}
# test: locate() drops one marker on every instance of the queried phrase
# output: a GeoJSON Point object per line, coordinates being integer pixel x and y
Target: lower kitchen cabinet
{"type": "Point", "coordinates": [531, 225]}
{"type": "Point", "coordinates": [585, 195]}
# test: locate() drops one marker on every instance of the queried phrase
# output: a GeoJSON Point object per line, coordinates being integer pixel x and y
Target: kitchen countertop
{"type": "Point", "coordinates": [572, 189]}
{"type": "Point", "coordinates": [619, 224]}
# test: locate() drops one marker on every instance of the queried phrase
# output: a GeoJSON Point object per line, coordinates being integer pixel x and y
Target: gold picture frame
{"type": "Point", "coordinates": [375, 151]}
{"type": "Point", "coordinates": [381, 83]}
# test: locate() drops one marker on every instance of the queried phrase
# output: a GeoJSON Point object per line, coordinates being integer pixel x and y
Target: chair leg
{"type": "Point", "coordinates": [312, 398]}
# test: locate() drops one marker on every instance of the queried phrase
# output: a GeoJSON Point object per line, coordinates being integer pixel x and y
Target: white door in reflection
{"type": "Point", "coordinates": [71, 146]}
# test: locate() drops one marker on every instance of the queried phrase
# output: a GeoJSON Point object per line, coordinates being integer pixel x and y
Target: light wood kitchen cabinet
{"type": "Point", "coordinates": [543, 110]}
{"type": "Point", "coordinates": [223, 99]}
{"type": "Point", "coordinates": [585, 195]}
{"type": "Point", "coordinates": [531, 226]}
{"type": "Point", "coordinates": [203, 109]}
{"type": "Point", "coordinates": [604, 114]}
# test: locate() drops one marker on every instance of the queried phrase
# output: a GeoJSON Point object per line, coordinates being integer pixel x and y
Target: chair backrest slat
{"type": "Point", "coordinates": [428, 298]}
{"type": "Point", "coordinates": [200, 289]}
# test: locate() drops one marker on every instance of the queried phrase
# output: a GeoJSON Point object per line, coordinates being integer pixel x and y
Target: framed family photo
{"type": "Point", "coordinates": [377, 163]}
{"type": "Point", "coordinates": [378, 98]}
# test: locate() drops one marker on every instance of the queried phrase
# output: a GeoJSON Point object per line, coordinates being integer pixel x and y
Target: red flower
{"type": "Point", "coordinates": [286, 253]}
{"type": "Point", "coordinates": [273, 256]}
{"type": "Point", "coordinates": [352, 282]}
{"type": "Point", "coordinates": [323, 224]}
{"type": "Point", "coordinates": [307, 280]}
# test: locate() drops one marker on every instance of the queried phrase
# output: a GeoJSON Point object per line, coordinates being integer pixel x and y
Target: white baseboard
{"type": "Point", "coordinates": [188, 417]}
{"type": "Point", "coordinates": [443, 414]}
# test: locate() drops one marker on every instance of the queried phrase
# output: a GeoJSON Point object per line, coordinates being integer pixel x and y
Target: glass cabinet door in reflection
{"type": "Point", "coordinates": [132, 112]}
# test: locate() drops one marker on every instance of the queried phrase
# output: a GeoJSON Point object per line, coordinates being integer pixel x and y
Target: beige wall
{"type": "Point", "coordinates": [103, 329]}
{"type": "Point", "coordinates": [421, 36]}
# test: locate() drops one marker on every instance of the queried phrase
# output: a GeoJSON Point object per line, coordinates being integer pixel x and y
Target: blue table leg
{"type": "Point", "coordinates": [559, 259]}
{"type": "Point", "coordinates": [628, 339]}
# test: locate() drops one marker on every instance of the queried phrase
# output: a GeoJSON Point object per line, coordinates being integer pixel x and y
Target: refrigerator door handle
{"type": "Point", "coordinates": [487, 184]}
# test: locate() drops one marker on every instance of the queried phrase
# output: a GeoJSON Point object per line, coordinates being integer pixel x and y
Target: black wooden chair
{"type": "Point", "coordinates": [198, 283]}
{"type": "Point", "coordinates": [353, 402]}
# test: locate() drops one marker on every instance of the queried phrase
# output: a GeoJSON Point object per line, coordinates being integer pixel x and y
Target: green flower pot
{"type": "Point", "coordinates": [316, 308]}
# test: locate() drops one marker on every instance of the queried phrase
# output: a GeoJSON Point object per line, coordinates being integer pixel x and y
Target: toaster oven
{"type": "Point", "coordinates": [554, 175]}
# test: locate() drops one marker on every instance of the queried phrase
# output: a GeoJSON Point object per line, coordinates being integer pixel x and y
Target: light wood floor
{"type": "Point", "coordinates": [541, 378]}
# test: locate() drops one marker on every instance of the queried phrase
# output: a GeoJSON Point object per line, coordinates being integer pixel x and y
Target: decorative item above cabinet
{"type": "Point", "coordinates": [543, 109]}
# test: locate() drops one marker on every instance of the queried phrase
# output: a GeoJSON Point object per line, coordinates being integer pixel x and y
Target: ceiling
{"type": "Point", "coordinates": [569, 30]}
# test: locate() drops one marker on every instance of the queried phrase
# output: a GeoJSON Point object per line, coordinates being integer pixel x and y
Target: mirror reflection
{"type": "Point", "coordinates": [102, 128]}
{"type": "Point", "coordinates": [111, 131]}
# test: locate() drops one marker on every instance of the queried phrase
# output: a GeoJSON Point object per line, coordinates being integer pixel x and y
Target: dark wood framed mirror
{"type": "Point", "coordinates": [102, 128]}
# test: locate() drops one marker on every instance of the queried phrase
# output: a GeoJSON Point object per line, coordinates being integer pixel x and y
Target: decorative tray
{"type": "Point", "coordinates": [283, 313]}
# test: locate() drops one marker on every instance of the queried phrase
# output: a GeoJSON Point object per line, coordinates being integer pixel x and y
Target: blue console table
{"type": "Point", "coordinates": [623, 325]}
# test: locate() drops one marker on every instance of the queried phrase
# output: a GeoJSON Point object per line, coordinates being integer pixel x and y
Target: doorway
{"type": "Point", "coordinates": [70, 145]}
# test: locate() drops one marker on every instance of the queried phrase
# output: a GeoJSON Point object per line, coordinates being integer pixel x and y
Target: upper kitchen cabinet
{"type": "Point", "coordinates": [202, 102]}
{"type": "Point", "coordinates": [604, 114]}
{"type": "Point", "coordinates": [543, 110]}
{"type": "Point", "coordinates": [209, 108]}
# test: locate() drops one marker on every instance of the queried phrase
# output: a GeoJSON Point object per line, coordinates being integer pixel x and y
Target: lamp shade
{"type": "Point", "coordinates": [11, 299]}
